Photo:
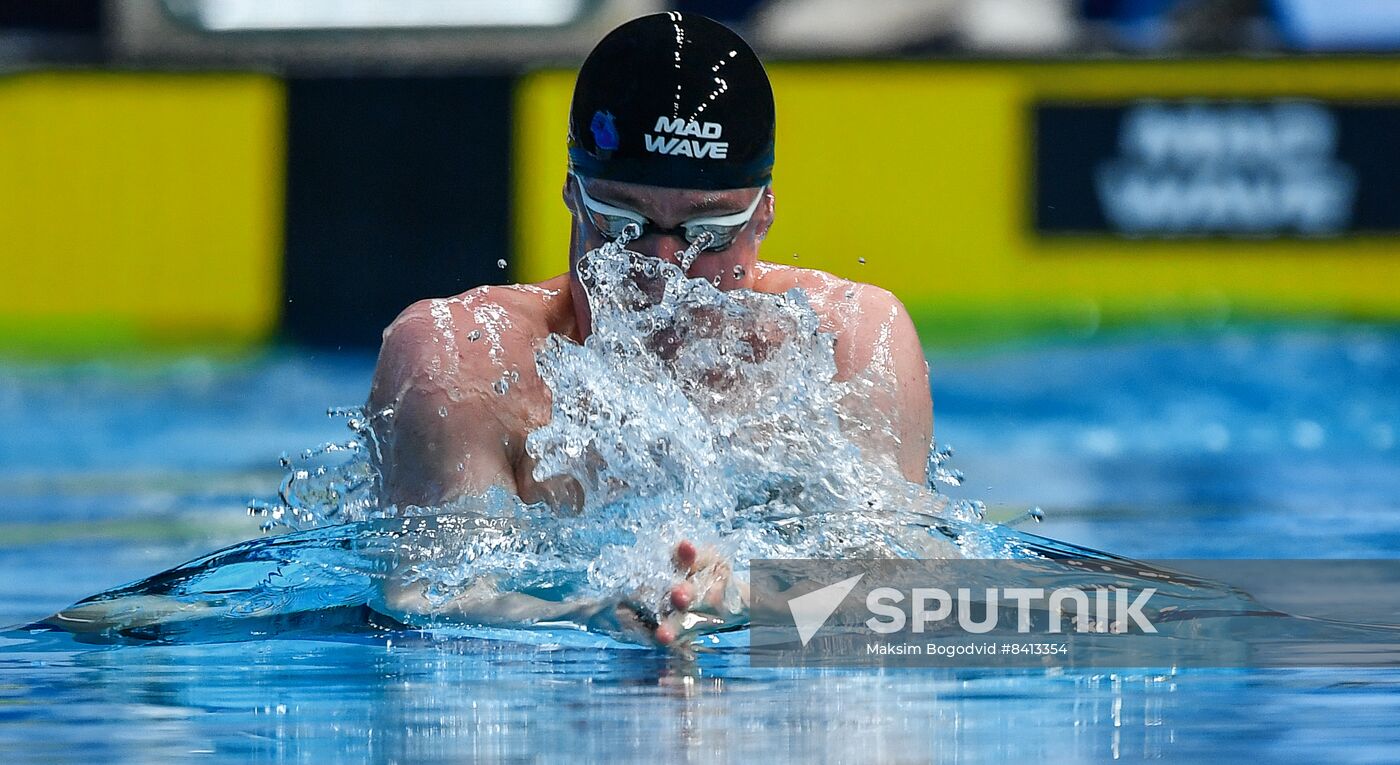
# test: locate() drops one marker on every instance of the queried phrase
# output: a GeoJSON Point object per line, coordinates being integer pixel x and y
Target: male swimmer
{"type": "Point", "coordinates": [671, 129]}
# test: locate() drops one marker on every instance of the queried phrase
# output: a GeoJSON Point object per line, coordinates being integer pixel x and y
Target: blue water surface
{"type": "Point", "coordinates": [1259, 441]}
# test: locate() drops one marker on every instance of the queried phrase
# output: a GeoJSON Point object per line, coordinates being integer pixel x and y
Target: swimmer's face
{"type": "Point", "coordinates": [668, 210]}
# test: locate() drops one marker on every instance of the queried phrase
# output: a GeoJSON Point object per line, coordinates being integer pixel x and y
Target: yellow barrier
{"type": "Point", "coordinates": [922, 169]}
{"type": "Point", "coordinates": [139, 208]}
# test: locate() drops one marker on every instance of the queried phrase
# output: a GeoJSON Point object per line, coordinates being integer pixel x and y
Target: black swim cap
{"type": "Point", "coordinates": [675, 100]}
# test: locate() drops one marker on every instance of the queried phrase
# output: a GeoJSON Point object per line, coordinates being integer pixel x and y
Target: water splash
{"type": "Point", "coordinates": [688, 413]}
{"type": "Point", "coordinates": [334, 483]}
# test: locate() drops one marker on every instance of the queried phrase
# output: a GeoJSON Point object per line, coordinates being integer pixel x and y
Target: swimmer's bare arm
{"type": "Point", "coordinates": [440, 428]}
{"type": "Point", "coordinates": [876, 340]}
{"type": "Point", "coordinates": [449, 436]}
{"type": "Point", "coordinates": [442, 434]}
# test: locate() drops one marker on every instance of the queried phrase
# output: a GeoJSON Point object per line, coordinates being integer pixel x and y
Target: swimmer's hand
{"type": "Point", "coordinates": [708, 598]}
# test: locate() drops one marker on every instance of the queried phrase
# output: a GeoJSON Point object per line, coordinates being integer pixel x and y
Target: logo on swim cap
{"type": "Point", "coordinates": [604, 131]}
{"type": "Point", "coordinates": [677, 146]}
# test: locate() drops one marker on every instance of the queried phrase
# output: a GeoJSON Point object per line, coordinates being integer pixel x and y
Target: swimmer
{"type": "Point", "coordinates": [671, 129]}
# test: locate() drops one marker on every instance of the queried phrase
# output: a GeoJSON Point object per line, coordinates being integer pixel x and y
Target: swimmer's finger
{"type": "Point", "coordinates": [682, 596]}
{"type": "Point", "coordinates": [705, 594]}
{"type": "Point", "coordinates": [667, 632]}
{"type": "Point", "coordinates": [685, 556]}
{"type": "Point", "coordinates": [689, 559]}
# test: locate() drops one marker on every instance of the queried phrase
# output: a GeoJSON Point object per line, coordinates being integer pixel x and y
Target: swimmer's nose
{"type": "Point", "coordinates": [662, 247]}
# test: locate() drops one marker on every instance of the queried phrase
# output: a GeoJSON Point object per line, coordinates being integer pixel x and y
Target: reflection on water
{"type": "Point", "coordinates": [450, 700]}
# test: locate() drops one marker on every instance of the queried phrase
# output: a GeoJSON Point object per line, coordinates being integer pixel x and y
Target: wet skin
{"type": "Point", "coordinates": [453, 435]}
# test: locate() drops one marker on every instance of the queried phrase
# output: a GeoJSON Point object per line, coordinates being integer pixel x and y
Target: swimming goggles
{"type": "Point", "coordinates": [722, 229]}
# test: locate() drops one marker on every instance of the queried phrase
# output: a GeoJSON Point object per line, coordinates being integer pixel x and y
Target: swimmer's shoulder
{"type": "Point", "coordinates": [836, 299]}
{"type": "Point", "coordinates": [504, 311]}
{"type": "Point", "coordinates": [777, 278]}
{"type": "Point", "coordinates": [481, 334]}
{"type": "Point", "coordinates": [547, 306]}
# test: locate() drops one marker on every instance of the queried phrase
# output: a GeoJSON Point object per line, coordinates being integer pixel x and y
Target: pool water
{"type": "Point", "coordinates": [1256, 441]}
